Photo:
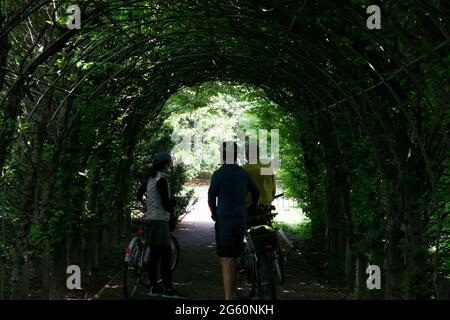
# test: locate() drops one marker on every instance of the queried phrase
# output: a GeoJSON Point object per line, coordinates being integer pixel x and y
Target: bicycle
{"type": "Point", "coordinates": [261, 258]}
{"type": "Point", "coordinates": [136, 262]}
{"type": "Point", "coordinates": [278, 255]}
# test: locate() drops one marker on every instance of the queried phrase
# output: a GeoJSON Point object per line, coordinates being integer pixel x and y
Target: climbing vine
{"type": "Point", "coordinates": [363, 118]}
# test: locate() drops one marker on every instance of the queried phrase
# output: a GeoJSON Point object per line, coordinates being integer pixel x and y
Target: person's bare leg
{"type": "Point", "coordinates": [229, 276]}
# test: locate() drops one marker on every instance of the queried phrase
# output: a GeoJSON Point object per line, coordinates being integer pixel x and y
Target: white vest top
{"type": "Point", "coordinates": [155, 208]}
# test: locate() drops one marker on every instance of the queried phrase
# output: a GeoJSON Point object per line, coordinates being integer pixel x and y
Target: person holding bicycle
{"type": "Point", "coordinates": [160, 212]}
{"type": "Point", "coordinates": [229, 185]}
{"type": "Point", "coordinates": [264, 180]}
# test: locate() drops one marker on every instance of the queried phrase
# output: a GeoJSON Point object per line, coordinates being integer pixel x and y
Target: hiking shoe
{"type": "Point", "coordinates": [173, 294]}
{"type": "Point", "coordinates": [155, 291]}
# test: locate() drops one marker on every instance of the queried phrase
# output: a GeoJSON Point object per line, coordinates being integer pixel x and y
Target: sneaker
{"type": "Point", "coordinates": [173, 294]}
{"type": "Point", "coordinates": [155, 291]}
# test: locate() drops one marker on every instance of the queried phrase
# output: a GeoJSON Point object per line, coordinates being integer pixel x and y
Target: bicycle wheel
{"type": "Point", "coordinates": [131, 277]}
{"type": "Point", "coordinates": [267, 287]}
{"type": "Point", "coordinates": [245, 284]}
{"type": "Point", "coordinates": [245, 288]}
{"type": "Point", "coordinates": [279, 267]}
{"type": "Point", "coordinates": [175, 252]}
{"type": "Point", "coordinates": [175, 247]}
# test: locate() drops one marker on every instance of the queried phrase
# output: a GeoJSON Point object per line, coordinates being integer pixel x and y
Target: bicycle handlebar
{"type": "Point", "coordinates": [139, 221]}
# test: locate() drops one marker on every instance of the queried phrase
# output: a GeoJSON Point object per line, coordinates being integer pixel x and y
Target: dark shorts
{"type": "Point", "coordinates": [229, 236]}
{"type": "Point", "coordinates": [157, 233]}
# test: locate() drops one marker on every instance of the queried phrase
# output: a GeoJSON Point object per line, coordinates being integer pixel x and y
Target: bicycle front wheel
{"type": "Point", "coordinates": [131, 277]}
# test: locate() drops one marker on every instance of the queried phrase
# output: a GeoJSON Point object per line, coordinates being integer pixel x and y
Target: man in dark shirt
{"type": "Point", "coordinates": [229, 185]}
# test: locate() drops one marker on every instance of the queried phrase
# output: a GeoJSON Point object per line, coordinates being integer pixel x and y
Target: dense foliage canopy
{"type": "Point", "coordinates": [363, 115]}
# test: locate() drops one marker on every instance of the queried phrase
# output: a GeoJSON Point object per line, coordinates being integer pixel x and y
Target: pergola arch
{"type": "Point", "coordinates": [316, 59]}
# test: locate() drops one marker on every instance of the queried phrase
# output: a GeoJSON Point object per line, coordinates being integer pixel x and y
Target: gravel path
{"type": "Point", "coordinates": [198, 273]}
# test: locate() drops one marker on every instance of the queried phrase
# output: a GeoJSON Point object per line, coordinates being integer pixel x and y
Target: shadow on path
{"type": "Point", "coordinates": [198, 273]}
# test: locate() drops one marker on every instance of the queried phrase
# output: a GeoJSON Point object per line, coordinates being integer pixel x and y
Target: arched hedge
{"type": "Point", "coordinates": [365, 114]}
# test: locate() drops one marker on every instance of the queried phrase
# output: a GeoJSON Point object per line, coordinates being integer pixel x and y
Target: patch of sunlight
{"type": "Point", "coordinates": [200, 211]}
{"type": "Point", "coordinates": [287, 209]}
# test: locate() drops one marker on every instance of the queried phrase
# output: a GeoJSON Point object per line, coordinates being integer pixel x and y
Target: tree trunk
{"type": "Point", "coordinates": [417, 262]}
{"type": "Point", "coordinates": [4, 50]}
{"type": "Point", "coordinates": [395, 267]}
{"type": "Point", "coordinates": [361, 263]}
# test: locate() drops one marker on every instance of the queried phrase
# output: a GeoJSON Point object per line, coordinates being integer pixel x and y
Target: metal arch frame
{"type": "Point", "coordinates": [137, 1]}
{"type": "Point", "coordinates": [128, 49]}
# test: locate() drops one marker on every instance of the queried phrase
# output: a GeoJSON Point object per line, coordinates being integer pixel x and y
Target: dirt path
{"type": "Point", "coordinates": [199, 276]}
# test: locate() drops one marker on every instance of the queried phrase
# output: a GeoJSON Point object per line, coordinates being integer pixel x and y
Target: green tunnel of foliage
{"type": "Point", "coordinates": [363, 117]}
